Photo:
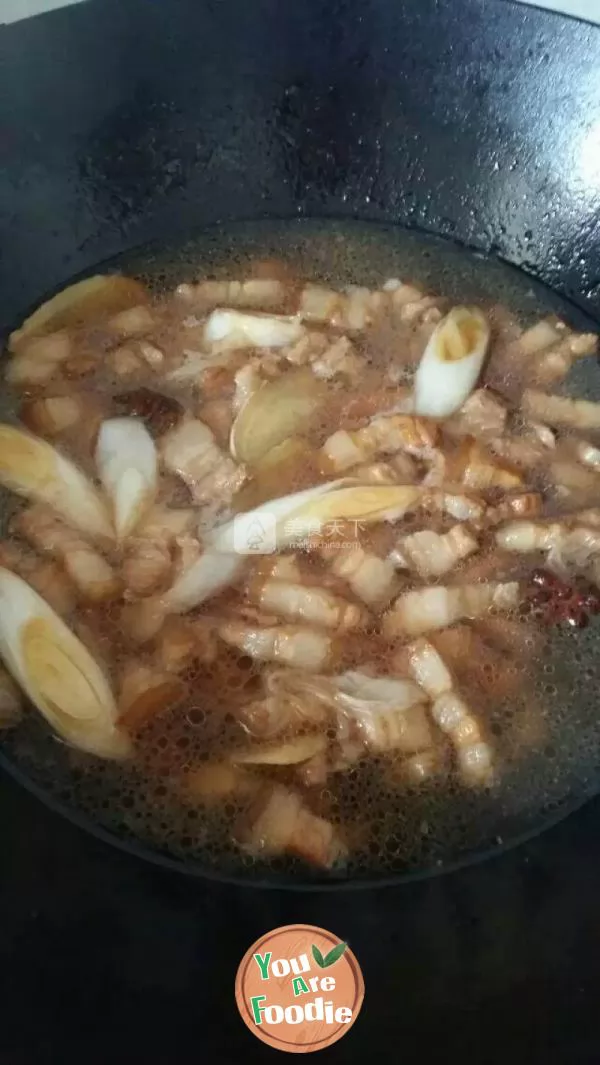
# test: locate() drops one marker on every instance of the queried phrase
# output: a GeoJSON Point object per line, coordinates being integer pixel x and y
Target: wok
{"type": "Point", "coordinates": [477, 122]}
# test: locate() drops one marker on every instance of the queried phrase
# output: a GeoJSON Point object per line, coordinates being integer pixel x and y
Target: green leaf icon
{"type": "Point", "coordinates": [316, 953]}
{"type": "Point", "coordinates": [334, 955]}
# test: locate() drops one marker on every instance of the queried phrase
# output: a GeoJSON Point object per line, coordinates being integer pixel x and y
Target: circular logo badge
{"type": "Point", "coordinates": [299, 988]}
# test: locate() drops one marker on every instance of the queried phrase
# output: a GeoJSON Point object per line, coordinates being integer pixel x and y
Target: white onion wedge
{"type": "Point", "coordinates": [204, 578]}
{"type": "Point", "coordinates": [34, 469]}
{"type": "Point", "coordinates": [128, 467]}
{"type": "Point", "coordinates": [95, 296]}
{"type": "Point", "coordinates": [57, 672]}
{"type": "Point", "coordinates": [278, 523]}
{"type": "Point", "coordinates": [239, 330]}
{"type": "Point", "coordinates": [278, 409]}
{"type": "Point", "coordinates": [452, 361]}
{"type": "Point", "coordinates": [238, 536]}
{"type": "Point", "coordinates": [362, 503]}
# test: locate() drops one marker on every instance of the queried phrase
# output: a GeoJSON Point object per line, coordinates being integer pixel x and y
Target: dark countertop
{"type": "Point", "coordinates": [107, 959]}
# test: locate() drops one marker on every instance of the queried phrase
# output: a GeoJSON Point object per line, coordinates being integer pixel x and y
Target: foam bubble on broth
{"type": "Point", "coordinates": [392, 828]}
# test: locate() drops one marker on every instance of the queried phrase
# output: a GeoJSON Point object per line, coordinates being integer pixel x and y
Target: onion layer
{"type": "Point", "coordinates": [95, 296]}
{"type": "Point", "coordinates": [128, 467]}
{"type": "Point", "coordinates": [34, 469]}
{"type": "Point", "coordinates": [57, 672]}
{"type": "Point", "coordinates": [451, 363]}
{"type": "Point", "coordinates": [279, 409]}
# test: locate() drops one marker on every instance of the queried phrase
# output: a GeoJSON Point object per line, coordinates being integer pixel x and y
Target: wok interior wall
{"type": "Point", "coordinates": [132, 120]}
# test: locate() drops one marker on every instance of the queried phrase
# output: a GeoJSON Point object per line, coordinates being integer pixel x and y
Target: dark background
{"type": "Point", "coordinates": [107, 959]}
{"type": "Point", "coordinates": [128, 120]}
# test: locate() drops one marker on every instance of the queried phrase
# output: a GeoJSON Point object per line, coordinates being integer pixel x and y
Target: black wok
{"type": "Point", "coordinates": [477, 121]}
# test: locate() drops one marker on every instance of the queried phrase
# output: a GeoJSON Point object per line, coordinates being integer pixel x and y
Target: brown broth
{"type": "Point", "coordinates": [533, 700]}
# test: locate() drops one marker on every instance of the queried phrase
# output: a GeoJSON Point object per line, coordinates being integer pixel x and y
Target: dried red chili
{"type": "Point", "coordinates": [556, 602]}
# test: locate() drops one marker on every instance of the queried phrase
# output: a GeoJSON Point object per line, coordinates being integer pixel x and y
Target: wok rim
{"type": "Point", "coordinates": [539, 5]}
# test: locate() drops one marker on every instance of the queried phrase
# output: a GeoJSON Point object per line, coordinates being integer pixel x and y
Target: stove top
{"type": "Point", "coordinates": [108, 959]}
